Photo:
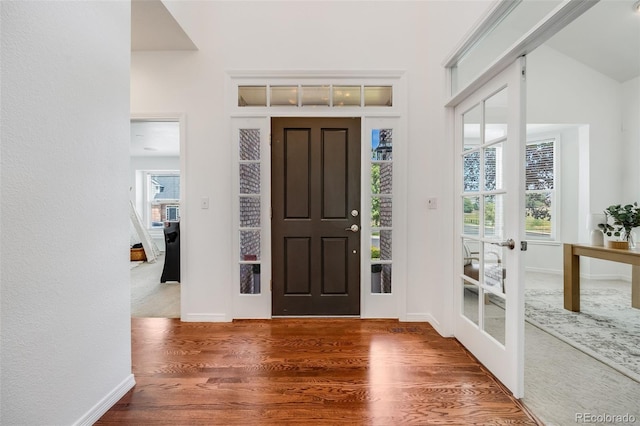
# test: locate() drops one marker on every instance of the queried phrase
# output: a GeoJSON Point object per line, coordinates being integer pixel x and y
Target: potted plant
{"type": "Point", "coordinates": [620, 222]}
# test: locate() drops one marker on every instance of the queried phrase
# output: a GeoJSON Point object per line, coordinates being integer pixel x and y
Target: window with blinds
{"type": "Point", "coordinates": [540, 189]}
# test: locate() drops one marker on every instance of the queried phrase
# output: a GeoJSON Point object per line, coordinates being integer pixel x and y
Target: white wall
{"type": "Point", "coordinates": [561, 90]}
{"type": "Point", "coordinates": [66, 351]}
{"type": "Point", "coordinates": [411, 36]}
{"type": "Point", "coordinates": [631, 139]}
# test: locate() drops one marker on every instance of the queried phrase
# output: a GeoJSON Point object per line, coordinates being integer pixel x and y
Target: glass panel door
{"type": "Point", "coordinates": [489, 291]}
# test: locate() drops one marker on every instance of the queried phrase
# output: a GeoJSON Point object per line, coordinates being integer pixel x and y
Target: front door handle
{"type": "Point", "coordinates": [352, 228]}
{"type": "Point", "coordinates": [508, 243]}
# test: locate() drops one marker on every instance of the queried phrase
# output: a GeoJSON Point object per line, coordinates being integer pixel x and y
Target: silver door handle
{"type": "Point", "coordinates": [508, 243]}
{"type": "Point", "coordinates": [352, 228]}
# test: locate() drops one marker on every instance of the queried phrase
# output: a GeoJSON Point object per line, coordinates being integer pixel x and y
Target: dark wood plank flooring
{"type": "Point", "coordinates": [307, 372]}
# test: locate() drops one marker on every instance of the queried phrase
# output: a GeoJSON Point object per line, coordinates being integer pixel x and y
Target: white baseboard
{"type": "Point", "coordinates": [431, 320]}
{"type": "Point", "coordinates": [419, 318]}
{"type": "Point", "coordinates": [98, 410]}
{"type": "Point", "coordinates": [606, 277]}
{"type": "Point", "coordinates": [543, 270]}
{"type": "Point", "coordinates": [204, 318]}
{"type": "Point", "coordinates": [595, 277]}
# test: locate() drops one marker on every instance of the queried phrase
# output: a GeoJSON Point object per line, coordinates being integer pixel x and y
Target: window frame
{"type": "Point", "coordinates": [556, 221]}
{"type": "Point", "coordinates": [148, 192]}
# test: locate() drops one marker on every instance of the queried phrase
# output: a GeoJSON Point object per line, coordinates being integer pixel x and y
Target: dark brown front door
{"type": "Point", "coordinates": [315, 200]}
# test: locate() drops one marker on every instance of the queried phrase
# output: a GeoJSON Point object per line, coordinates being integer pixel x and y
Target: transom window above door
{"type": "Point", "coordinates": [315, 95]}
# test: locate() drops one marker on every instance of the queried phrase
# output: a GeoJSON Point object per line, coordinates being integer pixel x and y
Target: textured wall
{"type": "Point", "coordinates": [65, 224]}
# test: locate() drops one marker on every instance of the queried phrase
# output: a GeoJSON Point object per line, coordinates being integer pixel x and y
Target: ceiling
{"type": "Point", "coordinates": [605, 38]}
{"type": "Point", "coordinates": [154, 28]}
{"type": "Point", "coordinates": [155, 139]}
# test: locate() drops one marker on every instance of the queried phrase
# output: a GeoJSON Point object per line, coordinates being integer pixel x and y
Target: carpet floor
{"type": "Point", "coordinates": [607, 327]}
{"type": "Point", "coordinates": [149, 297]}
{"type": "Point", "coordinates": [574, 361]}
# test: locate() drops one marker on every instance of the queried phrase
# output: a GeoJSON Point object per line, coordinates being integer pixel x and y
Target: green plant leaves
{"type": "Point", "coordinates": [623, 218]}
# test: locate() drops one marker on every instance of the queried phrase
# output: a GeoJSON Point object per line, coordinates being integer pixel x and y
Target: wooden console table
{"type": "Point", "coordinates": [572, 253]}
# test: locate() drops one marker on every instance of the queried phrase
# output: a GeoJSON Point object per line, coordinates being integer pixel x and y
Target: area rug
{"type": "Point", "coordinates": [607, 327]}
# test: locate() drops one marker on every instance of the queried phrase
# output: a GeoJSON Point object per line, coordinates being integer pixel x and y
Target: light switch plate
{"type": "Point", "coordinates": [432, 203]}
{"type": "Point", "coordinates": [204, 202]}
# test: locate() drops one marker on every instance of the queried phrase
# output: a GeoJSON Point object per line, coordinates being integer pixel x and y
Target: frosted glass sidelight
{"type": "Point", "coordinates": [250, 278]}
{"type": "Point", "coordinates": [250, 178]}
{"type": "Point", "coordinates": [249, 144]}
{"type": "Point", "coordinates": [249, 212]}
{"type": "Point", "coordinates": [249, 245]}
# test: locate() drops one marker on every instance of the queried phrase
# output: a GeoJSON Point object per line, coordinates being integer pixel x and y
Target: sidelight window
{"type": "Point", "coordinates": [381, 209]}
{"type": "Point", "coordinates": [250, 185]}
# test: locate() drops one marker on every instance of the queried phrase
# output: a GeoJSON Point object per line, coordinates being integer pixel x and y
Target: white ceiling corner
{"type": "Point", "coordinates": [605, 38]}
{"type": "Point", "coordinates": [153, 27]}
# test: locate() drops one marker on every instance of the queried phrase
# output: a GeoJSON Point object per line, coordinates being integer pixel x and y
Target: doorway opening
{"type": "Point", "coordinates": [155, 195]}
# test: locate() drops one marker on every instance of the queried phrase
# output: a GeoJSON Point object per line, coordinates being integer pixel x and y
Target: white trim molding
{"type": "Point", "coordinates": [98, 410]}
{"type": "Point", "coordinates": [198, 317]}
{"type": "Point", "coordinates": [184, 210]}
{"type": "Point", "coordinates": [244, 306]}
{"type": "Point", "coordinates": [546, 28]}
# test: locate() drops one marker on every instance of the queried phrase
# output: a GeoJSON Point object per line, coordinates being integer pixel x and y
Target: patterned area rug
{"type": "Point", "coordinates": [607, 327]}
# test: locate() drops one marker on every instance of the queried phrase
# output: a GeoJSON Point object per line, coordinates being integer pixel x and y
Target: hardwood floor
{"type": "Point", "coordinates": [306, 372]}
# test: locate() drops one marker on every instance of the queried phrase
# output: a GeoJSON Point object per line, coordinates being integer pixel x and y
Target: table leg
{"type": "Point", "coordinates": [571, 279]}
{"type": "Point", "coordinates": [635, 286]}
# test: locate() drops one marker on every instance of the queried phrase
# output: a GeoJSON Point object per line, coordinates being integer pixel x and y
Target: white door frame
{"type": "Point", "coordinates": [184, 211]}
{"type": "Point", "coordinates": [372, 305]}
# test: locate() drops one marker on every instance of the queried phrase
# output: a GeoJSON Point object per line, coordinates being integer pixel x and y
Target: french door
{"type": "Point", "coordinates": [489, 293]}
